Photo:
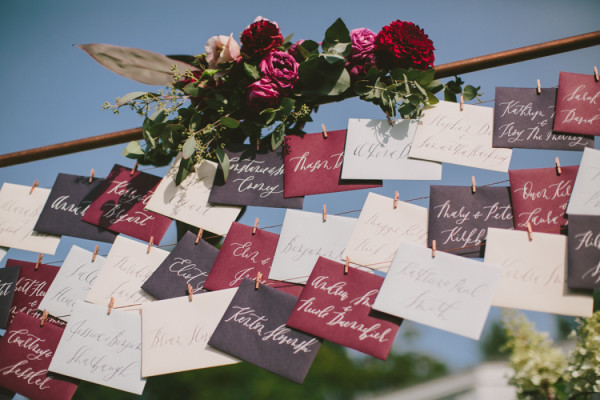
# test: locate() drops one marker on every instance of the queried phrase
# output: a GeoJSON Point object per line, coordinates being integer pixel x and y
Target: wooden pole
{"type": "Point", "coordinates": [441, 71]}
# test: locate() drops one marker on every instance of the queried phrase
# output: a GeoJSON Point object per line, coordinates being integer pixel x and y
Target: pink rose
{"type": "Point", "coordinates": [361, 56]}
{"type": "Point", "coordinates": [221, 49]}
{"type": "Point", "coordinates": [295, 52]}
{"type": "Point", "coordinates": [281, 68]}
{"type": "Point", "coordinates": [262, 94]}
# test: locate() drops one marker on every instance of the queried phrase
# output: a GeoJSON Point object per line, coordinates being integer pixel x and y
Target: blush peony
{"type": "Point", "coordinates": [221, 49]}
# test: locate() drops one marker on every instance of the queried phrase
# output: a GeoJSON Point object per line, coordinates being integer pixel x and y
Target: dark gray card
{"type": "Point", "coordinates": [8, 283]}
{"type": "Point", "coordinates": [253, 329]}
{"type": "Point", "coordinates": [187, 263]}
{"type": "Point", "coordinates": [459, 218]}
{"type": "Point", "coordinates": [523, 119]}
{"type": "Point", "coordinates": [70, 197]}
{"type": "Point", "coordinates": [584, 252]}
{"type": "Point", "coordinates": [255, 179]}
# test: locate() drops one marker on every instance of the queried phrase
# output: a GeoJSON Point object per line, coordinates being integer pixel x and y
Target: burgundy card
{"type": "Point", "coordinates": [31, 288]}
{"type": "Point", "coordinates": [577, 104]}
{"type": "Point", "coordinates": [244, 255]}
{"type": "Point", "coordinates": [8, 284]}
{"type": "Point", "coordinates": [337, 307]}
{"type": "Point", "coordinates": [253, 329]}
{"type": "Point", "coordinates": [313, 165]}
{"type": "Point", "coordinates": [540, 196]}
{"type": "Point", "coordinates": [255, 179]}
{"type": "Point", "coordinates": [27, 349]}
{"type": "Point", "coordinates": [583, 252]}
{"type": "Point", "coordinates": [523, 119]}
{"type": "Point", "coordinates": [120, 205]}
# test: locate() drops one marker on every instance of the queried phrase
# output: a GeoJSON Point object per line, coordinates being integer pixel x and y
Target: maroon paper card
{"type": "Point", "coordinates": [244, 255]}
{"type": "Point", "coordinates": [337, 307]}
{"type": "Point", "coordinates": [523, 119]}
{"type": "Point", "coordinates": [120, 206]}
{"type": "Point", "coordinates": [32, 286]}
{"type": "Point", "coordinates": [313, 165]}
{"type": "Point", "coordinates": [577, 104]}
{"type": "Point", "coordinates": [27, 349]}
{"type": "Point", "coordinates": [540, 196]}
{"type": "Point", "coordinates": [253, 329]}
{"type": "Point", "coordinates": [583, 252]}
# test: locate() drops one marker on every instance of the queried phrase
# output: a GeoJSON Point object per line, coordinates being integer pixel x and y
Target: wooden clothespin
{"type": "Point", "coordinates": [389, 119]}
{"type": "Point", "coordinates": [558, 169]}
{"type": "Point", "coordinates": [396, 197]}
{"type": "Point", "coordinates": [255, 226]}
{"type": "Point", "coordinates": [473, 185]}
{"type": "Point", "coordinates": [433, 248]}
{"type": "Point", "coordinates": [150, 243]}
{"type": "Point", "coordinates": [539, 87]}
{"type": "Point", "coordinates": [111, 304]}
{"type": "Point", "coordinates": [324, 131]}
{"type": "Point", "coordinates": [92, 173]}
{"type": "Point", "coordinates": [199, 235]}
{"type": "Point", "coordinates": [135, 167]}
{"type": "Point", "coordinates": [38, 262]}
{"type": "Point", "coordinates": [346, 265]}
{"type": "Point", "coordinates": [258, 144]}
{"type": "Point", "coordinates": [96, 250]}
{"type": "Point", "coordinates": [596, 78]}
{"type": "Point", "coordinates": [190, 292]}
{"type": "Point", "coordinates": [462, 102]}
{"type": "Point", "coordinates": [44, 317]}
{"type": "Point", "coordinates": [35, 184]}
{"type": "Point", "coordinates": [258, 280]}
{"type": "Point", "coordinates": [529, 231]}
{"type": "Point", "coordinates": [324, 213]}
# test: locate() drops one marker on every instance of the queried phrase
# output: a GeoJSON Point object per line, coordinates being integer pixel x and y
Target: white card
{"type": "Point", "coordinates": [3, 251]}
{"type": "Point", "coordinates": [585, 198]}
{"type": "Point", "coordinates": [304, 237]}
{"type": "Point", "coordinates": [380, 228]}
{"type": "Point", "coordinates": [101, 348]}
{"type": "Point", "coordinates": [377, 150]}
{"type": "Point", "coordinates": [444, 133]}
{"type": "Point", "coordinates": [72, 282]}
{"type": "Point", "coordinates": [127, 266]}
{"type": "Point", "coordinates": [533, 273]}
{"type": "Point", "coordinates": [19, 211]}
{"type": "Point", "coordinates": [175, 333]}
{"type": "Point", "coordinates": [448, 292]}
{"type": "Point", "coordinates": [188, 202]}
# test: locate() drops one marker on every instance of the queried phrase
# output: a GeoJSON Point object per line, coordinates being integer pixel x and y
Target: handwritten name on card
{"type": "Point", "coordinates": [444, 133]}
{"type": "Point", "coordinates": [337, 307]}
{"type": "Point", "coordinates": [448, 292]}
{"type": "Point", "coordinates": [585, 199]}
{"type": "Point", "coordinates": [377, 150]}
{"type": "Point", "coordinates": [584, 252]}
{"type": "Point", "coordinates": [379, 229]}
{"type": "Point", "coordinates": [523, 119]}
{"type": "Point", "coordinates": [188, 201]}
{"type": "Point", "coordinates": [19, 211]}
{"type": "Point", "coordinates": [8, 284]}
{"type": "Point", "coordinates": [577, 104]}
{"type": "Point", "coordinates": [101, 348]}
{"type": "Point", "coordinates": [533, 273]}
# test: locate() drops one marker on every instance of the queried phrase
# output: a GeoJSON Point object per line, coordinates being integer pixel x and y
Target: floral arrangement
{"type": "Point", "coordinates": [234, 91]}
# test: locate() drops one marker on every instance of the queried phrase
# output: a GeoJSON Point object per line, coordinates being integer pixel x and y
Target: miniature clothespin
{"type": "Point", "coordinates": [258, 144]}
{"type": "Point", "coordinates": [433, 248]}
{"type": "Point", "coordinates": [539, 87]}
{"type": "Point", "coordinates": [38, 262]}
{"type": "Point", "coordinates": [150, 243]}
{"type": "Point", "coordinates": [135, 167]}
{"type": "Point", "coordinates": [96, 250]}
{"type": "Point", "coordinates": [596, 78]}
{"type": "Point", "coordinates": [35, 184]}
{"type": "Point", "coordinates": [324, 213]}
{"type": "Point", "coordinates": [529, 231]}
{"type": "Point", "coordinates": [111, 304]}
{"type": "Point", "coordinates": [396, 196]}
{"type": "Point", "coordinates": [258, 280]}
{"type": "Point", "coordinates": [346, 265]}
{"type": "Point", "coordinates": [92, 173]}
{"type": "Point", "coordinates": [44, 317]}
{"type": "Point", "coordinates": [558, 169]}
{"type": "Point", "coordinates": [190, 292]}
{"type": "Point", "coordinates": [255, 226]}
{"type": "Point", "coordinates": [462, 102]}
{"type": "Point", "coordinates": [324, 131]}
{"type": "Point", "coordinates": [199, 235]}
{"type": "Point", "coordinates": [473, 185]}
{"type": "Point", "coordinates": [389, 119]}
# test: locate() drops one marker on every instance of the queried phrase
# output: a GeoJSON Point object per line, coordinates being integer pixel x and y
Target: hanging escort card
{"type": "Point", "coordinates": [336, 306]}
{"type": "Point", "coordinates": [128, 265]}
{"type": "Point", "coordinates": [584, 252]}
{"type": "Point", "coordinates": [523, 119]}
{"type": "Point", "coordinates": [102, 348]}
{"type": "Point", "coordinates": [253, 329]}
{"type": "Point", "coordinates": [585, 199]}
{"type": "Point", "coordinates": [27, 349]}
{"type": "Point", "coordinates": [8, 284]}
{"type": "Point", "coordinates": [444, 291]}
{"type": "Point", "coordinates": [379, 229]}
{"type": "Point", "coordinates": [69, 199]}
{"type": "Point", "coordinates": [459, 217]}
{"type": "Point", "coordinates": [20, 208]}
{"type": "Point", "coordinates": [304, 237]}
{"type": "Point", "coordinates": [533, 273]}
{"type": "Point", "coordinates": [188, 202]}
{"type": "Point", "coordinates": [377, 150]}
{"type": "Point", "coordinates": [244, 254]}
{"type": "Point", "coordinates": [188, 263]}
{"type": "Point", "coordinates": [73, 282]}
{"type": "Point", "coordinates": [447, 134]}
{"type": "Point", "coordinates": [540, 196]}
{"type": "Point", "coordinates": [577, 104]}
{"type": "Point", "coordinates": [175, 333]}
{"type": "Point", "coordinates": [313, 164]}
{"type": "Point", "coordinates": [255, 179]}
{"type": "Point", "coordinates": [120, 205]}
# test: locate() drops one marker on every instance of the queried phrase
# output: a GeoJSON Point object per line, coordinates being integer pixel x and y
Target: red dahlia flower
{"type": "Point", "coordinates": [403, 44]}
{"type": "Point", "coordinates": [260, 38]}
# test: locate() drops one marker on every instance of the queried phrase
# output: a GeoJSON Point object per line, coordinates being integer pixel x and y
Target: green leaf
{"type": "Point", "coordinates": [469, 92]}
{"type": "Point", "coordinates": [454, 87]}
{"type": "Point", "coordinates": [398, 74]}
{"type": "Point", "coordinates": [321, 78]}
{"type": "Point", "coordinates": [332, 58]}
{"type": "Point", "coordinates": [129, 97]}
{"type": "Point", "coordinates": [432, 99]}
{"type": "Point", "coordinates": [185, 167]}
{"type": "Point", "coordinates": [133, 150]}
{"type": "Point", "coordinates": [337, 39]}
{"type": "Point", "coordinates": [288, 38]}
{"type": "Point", "coordinates": [189, 147]}
{"type": "Point", "coordinates": [426, 77]}
{"type": "Point", "coordinates": [277, 137]}
{"type": "Point", "coordinates": [287, 105]}
{"type": "Point", "coordinates": [434, 86]}
{"type": "Point", "coordinates": [229, 122]}
{"type": "Point", "coordinates": [158, 116]}
{"type": "Point", "coordinates": [449, 95]}
{"type": "Point", "coordinates": [421, 89]}
{"type": "Point", "coordinates": [192, 89]}
{"type": "Point", "coordinates": [372, 74]}
{"type": "Point", "coordinates": [224, 161]}
{"type": "Point", "coordinates": [251, 71]}
{"type": "Point", "coordinates": [196, 123]}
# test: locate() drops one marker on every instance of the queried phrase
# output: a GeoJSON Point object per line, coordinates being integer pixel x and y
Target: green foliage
{"type": "Point", "coordinates": [582, 376]}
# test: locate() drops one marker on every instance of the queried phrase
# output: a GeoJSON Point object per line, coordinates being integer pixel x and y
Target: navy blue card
{"type": "Point", "coordinates": [583, 252]}
{"type": "Point", "coordinates": [8, 283]}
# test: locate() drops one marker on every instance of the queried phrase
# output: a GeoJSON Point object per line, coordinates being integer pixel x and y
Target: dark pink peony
{"type": "Point", "coordinates": [281, 68]}
{"type": "Point", "coordinates": [361, 56]}
{"type": "Point", "coordinates": [403, 44]}
{"type": "Point", "coordinates": [295, 52]}
{"type": "Point", "coordinates": [260, 38]}
{"type": "Point", "coordinates": [262, 94]}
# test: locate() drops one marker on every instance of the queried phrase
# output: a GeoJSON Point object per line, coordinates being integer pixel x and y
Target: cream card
{"type": "Point", "coordinates": [19, 211]}
{"type": "Point", "coordinates": [533, 273]}
{"type": "Point", "coordinates": [127, 266]}
{"type": "Point", "coordinates": [448, 292]}
{"type": "Point", "coordinates": [175, 333]}
{"type": "Point", "coordinates": [72, 282]}
{"type": "Point", "coordinates": [101, 348]}
{"type": "Point", "coordinates": [304, 237]}
{"type": "Point", "coordinates": [444, 133]}
{"type": "Point", "coordinates": [381, 227]}
{"type": "Point", "coordinates": [585, 198]}
{"type": "Point", "coordinates": [188, 202]}
{"type": "Point", "coordinates": [377, 150]}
